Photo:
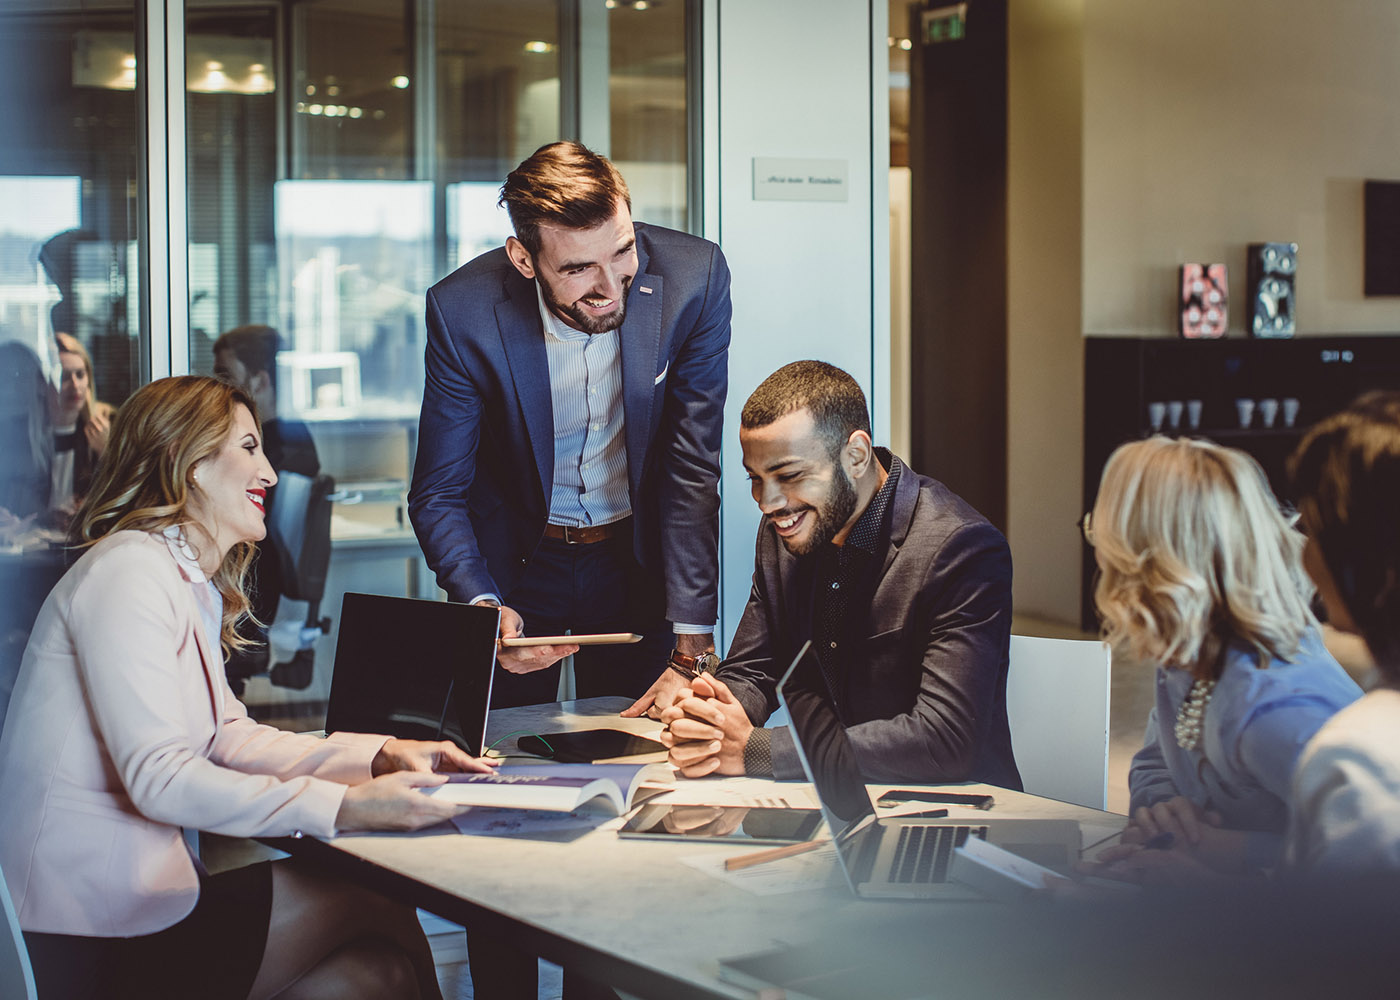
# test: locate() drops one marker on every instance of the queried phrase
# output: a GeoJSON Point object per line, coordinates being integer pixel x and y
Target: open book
{"type": "Point", "coordinates": [614, 788]}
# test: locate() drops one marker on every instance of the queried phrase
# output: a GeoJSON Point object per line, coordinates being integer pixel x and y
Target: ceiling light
{"type": "Point", "coordinates": [539, 47]}
{"type": "Point", "coordinates": [641, 5]}
{"type": "Point", "coordinates": [400, 81]}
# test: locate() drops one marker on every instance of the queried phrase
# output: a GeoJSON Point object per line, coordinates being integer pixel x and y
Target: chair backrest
{"type": "Point", "coordinates": [1057, 693]}
{"type": "Point", "coordinates": [16, 974]}
{"type": "Point", "coordinates": [299, 528]}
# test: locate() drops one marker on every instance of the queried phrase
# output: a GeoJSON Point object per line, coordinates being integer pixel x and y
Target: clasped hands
{"type": "Point", "coordinates": [706, 729]}
{"type": "Point", "coordinates": [393, 800]}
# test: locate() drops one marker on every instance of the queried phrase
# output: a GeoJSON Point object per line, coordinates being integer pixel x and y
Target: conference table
{"type": "Point", "coordinates": [642, 915]}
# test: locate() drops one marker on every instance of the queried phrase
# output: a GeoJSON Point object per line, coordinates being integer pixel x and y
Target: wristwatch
{"type": "Point", "coordinates": [688, 666]}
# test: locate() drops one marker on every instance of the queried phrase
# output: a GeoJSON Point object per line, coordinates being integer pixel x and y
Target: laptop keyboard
{"type": "Point", "coordinates": [922, 853]}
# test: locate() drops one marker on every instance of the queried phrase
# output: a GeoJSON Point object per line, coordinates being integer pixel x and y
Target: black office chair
{"type": "Point", "coordinates": [300, 533]}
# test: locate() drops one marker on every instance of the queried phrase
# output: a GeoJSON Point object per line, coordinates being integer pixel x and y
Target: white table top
{"type": "Point", "coordinates": [629, 912]}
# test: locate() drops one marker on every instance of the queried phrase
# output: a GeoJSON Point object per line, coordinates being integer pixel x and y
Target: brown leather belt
{"type": "Point", "coordinates": [587, 535]}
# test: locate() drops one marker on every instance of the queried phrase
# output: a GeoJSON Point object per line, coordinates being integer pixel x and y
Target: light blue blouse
{"type": "Point", "coordinates": [1255, 727]}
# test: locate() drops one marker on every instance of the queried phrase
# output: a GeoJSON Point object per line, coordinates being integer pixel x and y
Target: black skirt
{"type": "Point", "coordinates": [213, 953]}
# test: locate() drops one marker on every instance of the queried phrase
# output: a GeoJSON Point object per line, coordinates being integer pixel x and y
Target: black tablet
{"type": "Point", "coordinates": [588, 745]}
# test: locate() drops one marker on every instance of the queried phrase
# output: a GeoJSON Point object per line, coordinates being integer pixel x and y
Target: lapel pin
{"type": "Point", "coordinates": [644, 289]}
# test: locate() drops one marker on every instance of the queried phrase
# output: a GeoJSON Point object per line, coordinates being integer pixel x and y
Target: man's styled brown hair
{"type": "Point", "coordinates": [831, 395]}
{"type": "Point", "coordinates": [562, 184]}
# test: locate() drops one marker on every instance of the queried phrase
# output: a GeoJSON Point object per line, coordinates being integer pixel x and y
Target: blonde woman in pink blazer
{"type": "Point", "coordinates": [122, 730]}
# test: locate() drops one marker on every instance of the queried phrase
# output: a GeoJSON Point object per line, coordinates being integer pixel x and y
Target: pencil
{"type": "Point", "coordinates": [772, 854]}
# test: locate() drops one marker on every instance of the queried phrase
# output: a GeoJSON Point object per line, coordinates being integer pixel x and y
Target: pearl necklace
{"type": "Point", "coordinates": [1193, 710]}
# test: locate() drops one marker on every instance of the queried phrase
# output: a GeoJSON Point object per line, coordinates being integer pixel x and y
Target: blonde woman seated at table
{"type": "Point", "coordinates": [1200, 578]}
{"type": "Point", "coordinates": [1346, 807]}
{"type": "Point", "coordinates": [123, 730]}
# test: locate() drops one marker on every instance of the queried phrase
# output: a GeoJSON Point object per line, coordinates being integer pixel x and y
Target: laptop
{"type": "Point", "coordinates": [895, 857]}
{"type": "Point", "coordinates": [414, 669]}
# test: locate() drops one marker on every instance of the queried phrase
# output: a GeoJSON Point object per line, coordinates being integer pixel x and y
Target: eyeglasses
{"type": "Point", "coordinates": [1086, 527]}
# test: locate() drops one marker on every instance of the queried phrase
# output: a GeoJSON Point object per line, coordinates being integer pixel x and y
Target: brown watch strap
{"type": "Point", "coordinates": [687, 665]}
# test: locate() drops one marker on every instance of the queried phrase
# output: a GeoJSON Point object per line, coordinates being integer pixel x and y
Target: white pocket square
{"type": "Point", "coordinates": [657, 380]}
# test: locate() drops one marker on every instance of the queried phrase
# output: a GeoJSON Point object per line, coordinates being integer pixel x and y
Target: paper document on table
{"type": "Point", "coordinates": [484, 821]}
{"type": "Point", "coordinates": [753, 792]}
{"type": "Point", "coordinates": [801, 873]}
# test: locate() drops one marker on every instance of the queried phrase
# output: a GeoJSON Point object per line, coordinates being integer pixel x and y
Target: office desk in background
{"type": "Point", "coordinates": [626, 912]}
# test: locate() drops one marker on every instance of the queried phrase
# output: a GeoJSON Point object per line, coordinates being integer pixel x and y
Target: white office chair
{"type": "Point", "coordinates": [1057, 694]}
{"type": "Point", "coordinates": [16, 974]}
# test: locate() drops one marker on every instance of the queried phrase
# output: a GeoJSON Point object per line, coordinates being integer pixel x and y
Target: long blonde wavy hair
{"type": "Point", "coordinates": [1193, 553]}
{"type": "Point", "coordinates": [143, 480]}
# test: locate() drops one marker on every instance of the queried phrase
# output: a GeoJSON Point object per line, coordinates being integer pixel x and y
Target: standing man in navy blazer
{"type": "Point", "coordinates": [568, 454]}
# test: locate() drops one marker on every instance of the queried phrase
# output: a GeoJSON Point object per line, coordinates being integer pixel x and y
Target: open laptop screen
{"type": "Point", "coordinates": [826, 751]}
{"type": "Point", "coordinates": [414, 669]}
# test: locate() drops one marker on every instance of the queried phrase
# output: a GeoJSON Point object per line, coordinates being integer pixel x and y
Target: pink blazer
{"type": "Point", "coordinates": [122, 730]}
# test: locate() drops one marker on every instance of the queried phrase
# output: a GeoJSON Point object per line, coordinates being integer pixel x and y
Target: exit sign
{"type": "Point", "coordinates": [944, 24]}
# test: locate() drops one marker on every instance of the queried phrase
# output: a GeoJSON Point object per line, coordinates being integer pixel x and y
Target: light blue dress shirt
{"type": "Point", "coordinates": [1254, 729]}
{"type": "Point", "coordinates": [590, 448]}
{"type": "Point", "coordinates": [590, 443]}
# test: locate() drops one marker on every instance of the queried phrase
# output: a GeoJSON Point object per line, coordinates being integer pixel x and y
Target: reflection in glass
{"type": "Point", "coordinates": [68, 225]}
{"type": "Point", "coordinates": [354, 259]}
{"type": "Point", "coordinates": [647, 94]}
{"type": "Point", "coordinates": [343, 156]}
{"type": "Point", "coordinates": [353, 90]}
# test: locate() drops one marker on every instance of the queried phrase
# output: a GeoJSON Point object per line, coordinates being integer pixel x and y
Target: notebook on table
{"type": "Point", "coordinates": [895, 857]}
{"type": "Point", "coordinates": [414, 669]}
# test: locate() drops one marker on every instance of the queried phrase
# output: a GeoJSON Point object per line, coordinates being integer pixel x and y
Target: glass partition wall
{"type": "Point", "coordinates": [315, 167]}
{"type": "Point", "coordinates": [70, 243]}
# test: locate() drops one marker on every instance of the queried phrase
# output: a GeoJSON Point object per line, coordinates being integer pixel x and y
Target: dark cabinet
{"type": "Point", "coordinates": [1255, 395]}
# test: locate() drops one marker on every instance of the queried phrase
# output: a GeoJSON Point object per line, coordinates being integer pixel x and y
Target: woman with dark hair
{"type": "Point", "coordinates": [1346, 791]}
{"type": "Point", "coordinates": [123, 730]}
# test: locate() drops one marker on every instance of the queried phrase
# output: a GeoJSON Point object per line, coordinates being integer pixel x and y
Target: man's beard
{"type": "Point", "coordinates": [583, 320]}
{"type": "Point", "coordinates": [836, 509]}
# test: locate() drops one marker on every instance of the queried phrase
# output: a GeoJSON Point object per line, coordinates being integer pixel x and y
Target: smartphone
{"type": "Point", "coordinates": [588, 745]}
{"type": "Point", "coordinates": [595, 639]}
{"type": "Point", "coordinates": [897, 796]}
{"type": "Point", "coordinates": [757, 825]}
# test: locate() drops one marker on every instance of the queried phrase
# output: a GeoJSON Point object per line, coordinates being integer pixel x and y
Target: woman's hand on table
{"type": "Point", "coordinates": [1178, 816]}
{"type": "Point", "coordinates": [394, 802]}
{"type": "Point", "coordinates": [426, 756]}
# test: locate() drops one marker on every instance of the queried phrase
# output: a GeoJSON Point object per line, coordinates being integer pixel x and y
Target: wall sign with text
{"type": "Point", "coordinates": [781, 179]}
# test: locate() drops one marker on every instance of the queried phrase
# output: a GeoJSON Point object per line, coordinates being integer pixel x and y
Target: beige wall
{"type": "Point", "coordinates": [1210, 125]}
{"type": "Point", "coordinates": [1144, 135]}
{"type": "Point", "coordinates": [1045, 371]}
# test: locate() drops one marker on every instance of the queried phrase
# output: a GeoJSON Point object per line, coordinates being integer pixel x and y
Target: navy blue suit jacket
{"type": "Point", "coordinates": [485, 466]}
{"type": "Point", "coordinates": [924, 697]}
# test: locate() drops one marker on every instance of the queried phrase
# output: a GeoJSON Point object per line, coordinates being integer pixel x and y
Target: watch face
{"type": "Point", "coordinates": [706, 663]}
